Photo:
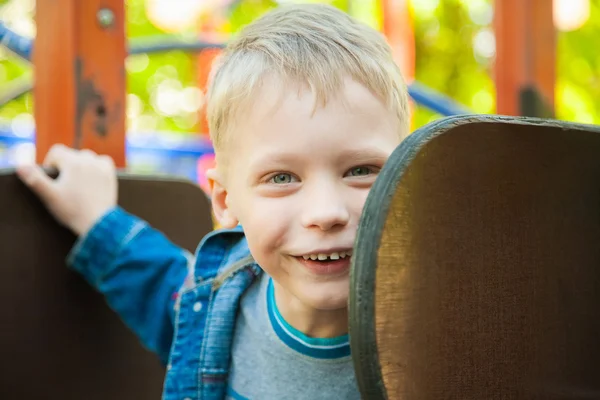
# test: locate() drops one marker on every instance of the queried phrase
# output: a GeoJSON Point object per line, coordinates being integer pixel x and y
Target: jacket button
{"type": "Point", "coordinates": [197, 306]}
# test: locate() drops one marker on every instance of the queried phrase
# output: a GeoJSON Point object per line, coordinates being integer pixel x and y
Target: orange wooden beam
{"type": "Point", "coordinates": [205, 60]}
{"type": "Point", "coordinates": [525, 70]}
{"type": "Point", "coordinates": [209, 25]}
{"type": "Point", "coordinates": [398, 28]}
{"type": "Point", "coordinates": [79, 60]}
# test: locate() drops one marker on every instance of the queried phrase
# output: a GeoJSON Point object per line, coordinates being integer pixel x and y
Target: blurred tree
{"type": "Point", "coordinates": [18, 15]}
{"type": "Point", "coordinates": [454, 44]}
{"type": "Point", "coordinates": [578, 70]}
{"type": "Point", "coordinates": [454, 52]}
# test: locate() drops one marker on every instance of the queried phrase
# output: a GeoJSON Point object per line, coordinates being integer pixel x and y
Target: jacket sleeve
{"type": "Point", "coordinates": [139, 272]}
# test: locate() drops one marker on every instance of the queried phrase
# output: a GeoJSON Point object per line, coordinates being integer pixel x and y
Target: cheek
{"type": "Point", "coordinates": [266, 222]}
{"type": "Point", "coordinates": [358, 199]}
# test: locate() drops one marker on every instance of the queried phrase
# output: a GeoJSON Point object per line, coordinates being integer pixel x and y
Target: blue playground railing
{"type": "Point", "coordinates": [23, 46]}
{"type": "Point", "coordinates": [160, 152]}
{"type": "Point", "coordinates": [16, 43]}
{"type": "Point", "coordinates": [420, 93]}
{"type": "Point", "coordinates": [435, 101]}
{"type": "Point", "coordinates": [168, 153]}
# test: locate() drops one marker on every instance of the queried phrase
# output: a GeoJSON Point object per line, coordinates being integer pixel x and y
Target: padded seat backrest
{"type": "Point", "coordinates": [476, 272]}
{"type": "Point", "coordinates": [59, 339]}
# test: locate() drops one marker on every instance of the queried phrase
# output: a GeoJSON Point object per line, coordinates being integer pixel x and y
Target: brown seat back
{"type": "Point", "coordinates": [476, 273]}
{"type": "Point", "coordinates": [59, 339]}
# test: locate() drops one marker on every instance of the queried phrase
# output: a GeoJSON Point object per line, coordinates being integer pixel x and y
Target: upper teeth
{"type": "Point", "coordinates": [332, 256]}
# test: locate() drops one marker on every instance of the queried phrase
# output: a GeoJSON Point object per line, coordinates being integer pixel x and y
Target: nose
{"type": "Point", "coordinates": [325, 207]}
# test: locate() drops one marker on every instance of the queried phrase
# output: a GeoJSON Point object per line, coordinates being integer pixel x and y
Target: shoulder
{"type": "Point", "coordinates": [219, 250]}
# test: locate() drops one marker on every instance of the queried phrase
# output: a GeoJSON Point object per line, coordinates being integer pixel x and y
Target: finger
{"type": "Point", "coordinates": [51, 154]}
{"type": "Point", "coordinates": [107, 160]}
{"type": "Point", "coordinates": [88, 152]}
{"type": "Point", "coordinates": [58, 156]}
{"type": "Point", "coordinates": [36, 179]}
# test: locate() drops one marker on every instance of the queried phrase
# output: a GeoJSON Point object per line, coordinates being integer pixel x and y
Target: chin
{"type": "Point", "coordinates": [325, 296]}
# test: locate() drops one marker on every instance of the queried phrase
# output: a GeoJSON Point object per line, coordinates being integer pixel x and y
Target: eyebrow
{"type": "Point", "coordinates": [370, 154]}
{"type": "Point", "coordinates": [364, 155]}
{"type": "Point", "coordinates": [269, 161]}
{"type": "Point", "coordinates": [275, 157]}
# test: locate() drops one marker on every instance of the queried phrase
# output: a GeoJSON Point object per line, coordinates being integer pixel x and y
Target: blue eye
{"type": "Point", "coordinates": [282, 179]}
{"type": "Point", "coordinates": [360, 171]}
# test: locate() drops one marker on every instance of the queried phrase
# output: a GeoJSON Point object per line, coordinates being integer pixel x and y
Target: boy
{"type": "Point", "coordinates": [304, 108]}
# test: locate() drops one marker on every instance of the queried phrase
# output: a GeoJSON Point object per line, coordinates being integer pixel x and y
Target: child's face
{"type": "Point", "coordinates": [297, 183]}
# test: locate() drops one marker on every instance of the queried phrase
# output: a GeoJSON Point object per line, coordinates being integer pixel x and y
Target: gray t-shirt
{"type": "Point", "coordinates": [272, 360]}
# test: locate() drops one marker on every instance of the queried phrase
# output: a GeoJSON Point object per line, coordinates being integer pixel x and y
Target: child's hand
{"type": "Point", "coordinates": [84, 191]}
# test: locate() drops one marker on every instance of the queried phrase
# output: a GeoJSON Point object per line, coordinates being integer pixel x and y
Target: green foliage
{"type": "Point", "coordinates": [454, 55]}
{"type": "Point", "coordinates": [445, 58]}
{"type": "Point", "coordinates": [578, 69]}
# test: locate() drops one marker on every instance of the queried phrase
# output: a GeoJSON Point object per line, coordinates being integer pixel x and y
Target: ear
{"type": "Point", "coordinates": [220, 204]}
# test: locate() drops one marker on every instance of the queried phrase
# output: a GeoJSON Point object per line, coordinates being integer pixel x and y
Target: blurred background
{"type": "Point", "coordinates": [454, 50]}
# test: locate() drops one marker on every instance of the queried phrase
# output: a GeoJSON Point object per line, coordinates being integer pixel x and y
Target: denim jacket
{"type": "Point", "coordinates": [183, 308]}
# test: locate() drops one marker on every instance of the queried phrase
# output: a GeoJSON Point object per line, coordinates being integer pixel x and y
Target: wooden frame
{"type": "Point", "coordinates": [79, 61]}
{"type": "Point", "coordinates": [474, 272]}
{"type": "Point", "coordinates": [525, 70]}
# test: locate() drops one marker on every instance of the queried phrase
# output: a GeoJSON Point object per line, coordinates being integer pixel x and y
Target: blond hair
{"type": "Point", "coordinates": [314, 44]}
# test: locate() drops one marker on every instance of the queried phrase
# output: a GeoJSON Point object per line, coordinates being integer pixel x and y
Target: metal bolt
{"type": "Point", "coordinates": [105, 17]}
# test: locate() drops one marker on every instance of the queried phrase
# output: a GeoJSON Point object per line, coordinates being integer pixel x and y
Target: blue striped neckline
{"type": "Point", "coordinates": [323, 348]}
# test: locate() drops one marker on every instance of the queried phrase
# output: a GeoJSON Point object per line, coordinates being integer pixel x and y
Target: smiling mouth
{"type": "Point", "coordinates": [327, 264]}
{"type": "Point", "coordinates": [328, 257]}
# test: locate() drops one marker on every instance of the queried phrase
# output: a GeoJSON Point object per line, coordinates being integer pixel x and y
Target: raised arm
{"type": "Point", "coordinates": [137, 268]}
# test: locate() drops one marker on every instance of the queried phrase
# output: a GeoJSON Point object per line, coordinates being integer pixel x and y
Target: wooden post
{"type": "Point", "coordinates": [208, 29]}
{"type": "Point", "coordinates": [79, 94]}
{"type": "Point", "coordinates": [525, 57]}
{"type": "Point", "coordinates": [398, 29]}
{"type": "Point", "coordinates": [205, 61]}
